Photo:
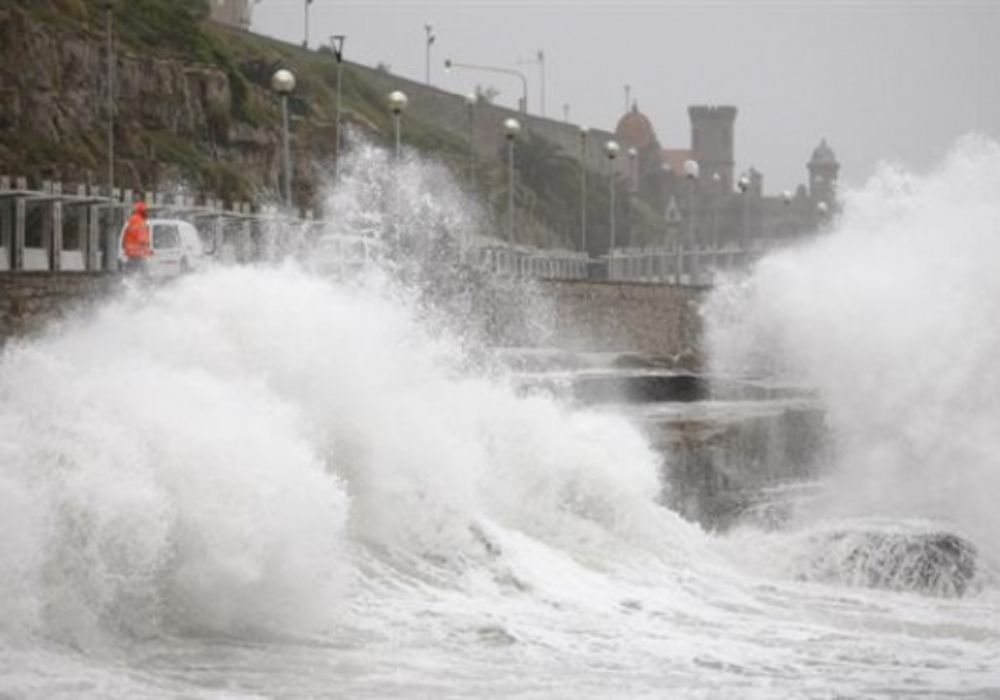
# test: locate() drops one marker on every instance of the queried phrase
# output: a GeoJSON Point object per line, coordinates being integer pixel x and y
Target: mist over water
{"type": "Point", "coordinates": [266, 481]}
{"type": "Point", "coordinates": [891, 315]}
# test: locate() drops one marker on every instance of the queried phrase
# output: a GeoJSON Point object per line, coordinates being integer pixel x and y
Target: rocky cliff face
{"type": "Point", "coordinates": [195, 114]}
{"type": "Point", "coordinates": [177, 122]}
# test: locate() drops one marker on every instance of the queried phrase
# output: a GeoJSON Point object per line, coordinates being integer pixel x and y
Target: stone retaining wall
{"type": "Point", "coordinates": [655, 320]}
{"type": "Point", "coordinates": [650, 319]}
{"type": "Point", "coordinates": [30, 300]}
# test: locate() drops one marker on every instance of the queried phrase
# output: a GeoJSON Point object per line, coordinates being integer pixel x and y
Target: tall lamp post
{"type": "Point", "coordinates": [633, 177]}
{"type": "Point", "coordinates": [633, 169]}
{"type": "Point", "coordinates": [743, 184]}
{"type": "Point", "coordinates": [429, 29]}
{"type": "Point", "coordinates": [109, 7]}
{"type": "Point", "coordinates": [583, 189]}
{"type": "Point", "coordinates": [397, 103]}
{"type": "Point", "coordinates": [337, 41]}
{"type": "Point", "coordinates": [611, 150]}
{"type": "Point", "coordinates": [511, 129]}
{"type": "Point", "coordinates": [305, 36]}
{"type": "Point", "coordinates": [449, 65]}
{"type": "Point", "coordinates": [691, 173]}
{"type": "Point", "coordinates": [283, 83]}
{"type": "Point", "coordinates": [539, 61]}
{"type": "Point", "coordinates": [470, 108]}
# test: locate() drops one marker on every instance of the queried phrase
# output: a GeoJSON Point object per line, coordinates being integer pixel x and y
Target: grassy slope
{"type": "Point", "coordinates": [179, 29]}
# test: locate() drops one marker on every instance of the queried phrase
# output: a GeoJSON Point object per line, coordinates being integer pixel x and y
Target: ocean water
{"type": "Point", "coordinates": [261, 482]}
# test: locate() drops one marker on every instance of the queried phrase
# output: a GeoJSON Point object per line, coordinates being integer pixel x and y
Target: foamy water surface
{"type": "Point", "coordinates": [258, 482]}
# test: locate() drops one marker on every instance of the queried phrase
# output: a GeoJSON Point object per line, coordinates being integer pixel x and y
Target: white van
{"type": "Point", "coordinates": [176, 246]}
{"type": "Point", "coordinates": [341, 254]}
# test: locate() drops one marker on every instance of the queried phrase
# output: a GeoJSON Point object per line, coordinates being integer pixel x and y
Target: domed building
{"type": "Point", "coordinates": [719, 208]}
{"type": "Point", "coordinates": [645, 174]}
{"type": "Point", "coordinates": [634, 130]}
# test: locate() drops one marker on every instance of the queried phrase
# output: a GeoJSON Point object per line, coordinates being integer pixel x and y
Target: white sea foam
{"type": "Point", "coordinates": [258, 482]}
{"type": "Point", "coordinates": [892, 316]}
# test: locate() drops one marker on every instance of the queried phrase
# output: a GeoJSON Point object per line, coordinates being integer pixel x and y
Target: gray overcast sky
{"type": "Point", "coordinates": [881, 80]}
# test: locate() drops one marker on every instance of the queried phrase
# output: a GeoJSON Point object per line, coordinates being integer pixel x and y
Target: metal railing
{"type": "Point", "coordinates": [694, 266]}
{"type": "Point", "coordinates": [54, 228]}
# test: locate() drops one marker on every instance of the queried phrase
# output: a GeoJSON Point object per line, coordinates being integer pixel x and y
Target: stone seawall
{"type": "Point", "coordinates": [656, 320]}
{"type": "Point", "coordinates": [650, 319]}
{"type": "Point", "coordinates": [29, 300]}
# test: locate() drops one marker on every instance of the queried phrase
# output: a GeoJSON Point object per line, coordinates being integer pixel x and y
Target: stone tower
{"type": "Point", "coordinates": [823, 172]}
{"type": "Point", "coordinates": [235, 13]}
{"type": "Point", "coordinates": [712, 141]}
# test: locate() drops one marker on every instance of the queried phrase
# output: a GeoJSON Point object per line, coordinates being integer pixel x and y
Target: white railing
{"type": "Point", "coordinates": [54, 228]}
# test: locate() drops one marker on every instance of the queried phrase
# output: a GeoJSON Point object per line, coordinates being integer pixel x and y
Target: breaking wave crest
{"type": "Point", "coordinates": [215, 454]}
{"type": "Point", "coordinates": [891, 314]}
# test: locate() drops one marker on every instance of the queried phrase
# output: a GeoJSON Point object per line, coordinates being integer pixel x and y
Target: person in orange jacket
{"type": "Point", "coordinates": [135, 242]}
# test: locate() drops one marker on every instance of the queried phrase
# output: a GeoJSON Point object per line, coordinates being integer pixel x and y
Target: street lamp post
{"type": "Point", "coordinates": [338, 51]}
{"type": "Point", "coordinates": [540, 62]}
{"type": "Point", "coordinates": [511, 129]}
{"type": "Point", "coordinates": [691, 173]}
{"type": "Point", "coordinates": [397, 103]}
{"type": "Point", "coordinates": [449, 64]}
{"type": "Point", "coordinates": [283, 83]}
{"type": "Point", "coordinates": [470, 108]}
{"type": "Point", "coordinates": [429, 30]}
{"type": "Point", "coordinates": [633, 176]}
{"type": "Point", "coordinates": [583, 189]}
{"type": "Point", "coordinates": [305, 36]}
{"type": "Point", "coordinates": [541, 67]}
{"type": "Point", "coordinates": [611, 150]}
{"type": "Point", "coordinates": [109, 7]}
{"type": "Point", "coordinates": [743, 184]}
{"type": "Point", "coordinates": [716, 192]}
{"type": "Point", "coordinates": [633, 169]}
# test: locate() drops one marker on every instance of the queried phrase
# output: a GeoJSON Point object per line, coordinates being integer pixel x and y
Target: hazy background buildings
{"type": "Point", "coordinates": [880, 79]}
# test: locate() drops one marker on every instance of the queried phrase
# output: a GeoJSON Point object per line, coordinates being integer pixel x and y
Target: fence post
{"type": "Point", "coordinates": [91, 260]}
{"type": "Point", "coordinates": [56, 236]}
{"type": "Point", "coordinates": [17, 245]}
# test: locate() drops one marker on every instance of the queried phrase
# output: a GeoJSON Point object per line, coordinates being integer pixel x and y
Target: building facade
{"type": "Point", "coordinates": [715, 207]}
{"type": "Point", "coordinates": [236, 13]}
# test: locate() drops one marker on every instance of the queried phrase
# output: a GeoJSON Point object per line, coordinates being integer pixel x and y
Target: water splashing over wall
{"type": "Point", "coordinates": [892, 316]}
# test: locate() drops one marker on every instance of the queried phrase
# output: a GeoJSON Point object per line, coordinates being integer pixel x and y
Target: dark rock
{"type": "Point", "coordinates": [931, 562]}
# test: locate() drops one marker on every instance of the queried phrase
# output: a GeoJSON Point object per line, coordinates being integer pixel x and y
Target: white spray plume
{"type": "Point", "coordinates": [892, 316]}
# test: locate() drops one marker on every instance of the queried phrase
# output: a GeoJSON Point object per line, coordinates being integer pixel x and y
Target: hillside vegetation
{"type": "Point", "coordinates": [194, 110]}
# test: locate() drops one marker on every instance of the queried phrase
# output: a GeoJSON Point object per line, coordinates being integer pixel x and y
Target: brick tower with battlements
{"type": "Point", "coordinates": [712, 141]}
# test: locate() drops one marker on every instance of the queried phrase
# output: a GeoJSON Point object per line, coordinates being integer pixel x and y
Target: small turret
{"type": "Point", "coordinates": [823, 171]}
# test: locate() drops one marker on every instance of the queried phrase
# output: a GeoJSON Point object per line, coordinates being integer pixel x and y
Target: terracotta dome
{"type": "Point", "coordinates": [635, 130]}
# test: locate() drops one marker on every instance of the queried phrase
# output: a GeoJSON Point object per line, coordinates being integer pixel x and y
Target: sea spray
{"type": "Point", "coordinates": [265, 482]}
{"type": "Point", "coordinates": [208, 455]}
{"type": "Point", "coordinates": [892, 316]}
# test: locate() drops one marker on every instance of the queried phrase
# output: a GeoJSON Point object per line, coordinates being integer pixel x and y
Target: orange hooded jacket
{"type": "Point", "coordinates": [136, 240]}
